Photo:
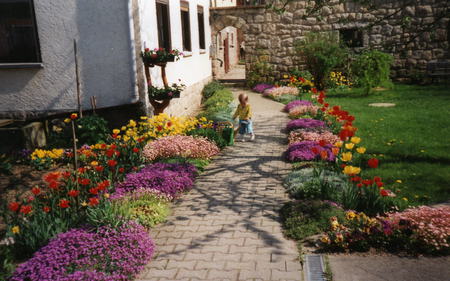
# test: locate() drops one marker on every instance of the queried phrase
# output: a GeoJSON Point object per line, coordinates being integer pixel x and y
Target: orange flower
{"type": "Point", "coordinates": [73, 116]}
{"type": "Point", "coordinates": [93, 201]}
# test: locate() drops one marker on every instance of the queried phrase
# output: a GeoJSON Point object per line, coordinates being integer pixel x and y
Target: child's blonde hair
{"type": "Point", "coordinates": [243, 98]}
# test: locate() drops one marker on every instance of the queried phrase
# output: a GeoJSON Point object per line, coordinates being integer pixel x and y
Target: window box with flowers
{"type": "Point", "coordinates": [159, 56]}
{"type": "Point", "coordinates": [165, 93]}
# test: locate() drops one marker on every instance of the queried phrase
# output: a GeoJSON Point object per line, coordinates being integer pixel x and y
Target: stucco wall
{"type": "Point", "coordinates": [102, 29]}
{"type": "Point", "coordinates": [192, 69]}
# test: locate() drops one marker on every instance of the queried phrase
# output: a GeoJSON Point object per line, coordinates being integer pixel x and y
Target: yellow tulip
{"type": "Point", "coordinates": [361, 150]}
{"type": "Point", "coordinates": [349, 145]}
{"type": "Point", "coordinates": [350, 170]}
{"type": "Point", "coordinates": [116, 131]}
{"type": "Point", "coordinates": [355, 140]}
{"type": "Point", "coordinates": [15, 229]}
{"type": "Point", "coordinates": [94, 163]}
{"type": "Point", "coordinates": [339, 144]}
{"type": "Point", "coordinates": [346, 156]}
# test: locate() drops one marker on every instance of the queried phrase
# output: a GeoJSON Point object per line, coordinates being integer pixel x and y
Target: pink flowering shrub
{"type": "Point", "coordinates": [429, 225]}
{"type": "Point", "coordinates": [280, 91]}
{"type": "Point", "coordinates": [301, 110]}
{"type": "Point", "coordinates": [301, 135]}
{"type": "Point", "coordinates": [180, 146]}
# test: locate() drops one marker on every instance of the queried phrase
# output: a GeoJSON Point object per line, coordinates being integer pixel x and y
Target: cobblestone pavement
{"type": "Point", "coordinates": [227, 227]}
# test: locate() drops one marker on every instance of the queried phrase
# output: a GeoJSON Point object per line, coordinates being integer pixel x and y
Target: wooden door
{"type": "Point", "coordinates": [226, 55]}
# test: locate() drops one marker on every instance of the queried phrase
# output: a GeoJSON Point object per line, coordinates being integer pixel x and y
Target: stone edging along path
{"type": "Point", "coordinates": [227, 227]}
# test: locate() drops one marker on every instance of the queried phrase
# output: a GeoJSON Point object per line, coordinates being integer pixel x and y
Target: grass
{"type": "Point", "coordinates": [411, 140]}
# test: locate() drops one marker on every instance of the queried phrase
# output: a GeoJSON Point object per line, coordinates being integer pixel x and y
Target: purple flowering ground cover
{"type": "Point", "coordinates": [302, 151]}
{"type": "Point", "coordinates": [162, 178]}
{"type": "Point", "coordinates": [260, 88]}
{"type": "Point", "coordinates": [295, 103]}
{"type": "Point", "coordinates": [304, 123]}
{"type": "Point", "coordinates": [80, 254]}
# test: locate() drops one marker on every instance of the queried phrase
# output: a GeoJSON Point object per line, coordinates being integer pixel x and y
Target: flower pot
{"type": "Point", "coordinates": [166, 96]}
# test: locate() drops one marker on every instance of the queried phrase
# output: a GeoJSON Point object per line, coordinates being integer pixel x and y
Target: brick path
{"type": "Point", "coordinates": [227, 227]}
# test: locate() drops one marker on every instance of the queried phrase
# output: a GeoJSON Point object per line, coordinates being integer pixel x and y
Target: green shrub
{"type": "Point", "coordinates": [5, 165]}
{"type": "Point", "coordinates": [371, 69]}
{"type": "Point", "coordinates": [260, 71]}
{"type": "Point", "coordinates": [211, 88]}
{"type": "Point", "coordinates": [301, 73]}
{"type": "Point", "coordinates": [210, 134]}
{"type": "Point", "coordinates": [322, 53]}
{"type": "Point", "coordinates": [145, 208]}
{"type": "Point", "coordinates": [113, 215]}
{"type": "Point", "coordinates": [311, 183]}
{"type": "Point", "coordinates": [6, 260]}
{"type": "Point", "coordinates": [305, 218]}
{"type": "Point", "coordinates": [219, 106]}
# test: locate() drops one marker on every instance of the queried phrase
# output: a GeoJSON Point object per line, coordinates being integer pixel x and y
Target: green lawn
{"type": "Point", "coordinates": [412, 139]}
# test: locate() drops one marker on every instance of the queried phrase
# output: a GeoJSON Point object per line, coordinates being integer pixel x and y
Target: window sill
{"type": "Point", "coordinates": [202, 51]}
{"type": "Point", "coordinates": [21, 65]}
{"type": "Point", "coordinates": [187, 54]}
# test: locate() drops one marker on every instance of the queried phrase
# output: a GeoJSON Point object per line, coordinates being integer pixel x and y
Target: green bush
{"type": "Point", "coordinates": [113, 215]}
{"type": "Point", "coordinates": [210, 134]}
{"type": "Point", "coordinates": [145, 208]}
{"type": "Point", "coordinates": [305, 218]}
{"type": "Point", "coordinates": [260, 71]}
{"type": "Point", "coordinates": [219, 106]}
{"type": "Point", "coordinates": [371, 69]}
{"type": "Point", "coordinates": [322, 53]}
{"type": "Point", "coordinates": [211, 88]}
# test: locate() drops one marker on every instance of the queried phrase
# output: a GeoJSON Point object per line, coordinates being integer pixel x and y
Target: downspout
{"type": "Point", "coordinates": [136, 63]}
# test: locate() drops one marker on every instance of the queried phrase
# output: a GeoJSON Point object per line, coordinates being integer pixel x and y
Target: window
{"type": "Point", "coordinates": [186, 26]}
{"type": "Point", "coordinates": [201, 27]}
{"type": "Point", "coordinates": [18, 33]}
{"type": "Point", "coordinates": [352, 37]}
{"type": "Point", "coordinates": [163, 18]}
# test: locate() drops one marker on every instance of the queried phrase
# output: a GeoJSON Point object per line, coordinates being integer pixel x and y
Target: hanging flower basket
{"type": "Point", "coordinates": [159, 56]}
{"type": "Point", "coordinates": [165, 93]}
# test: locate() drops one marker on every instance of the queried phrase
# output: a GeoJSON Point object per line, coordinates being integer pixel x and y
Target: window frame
{"type": "Point", "coordinates": [38, 63]}
{"type": "Point", "coordinates": [163, 26]}
{"type": "Point", "coordinates": [201, 27]}
{"type": "Point", "coordinates": [186, 34]}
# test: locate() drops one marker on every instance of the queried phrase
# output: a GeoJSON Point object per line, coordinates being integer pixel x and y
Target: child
{"type": "Point", "coordinates": [245, 114]}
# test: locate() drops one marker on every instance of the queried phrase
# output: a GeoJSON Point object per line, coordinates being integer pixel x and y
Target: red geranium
{"type": "Point", "coordinates": [26, 209]}
{"type": "Point", "coordinates": [64, 203]}
{"type": "Point", "coordinates": [73, 193]}
{"type": "Point", "coordinates": [373, 162]}
{"type": "Point", "coordinates": [384, 192]}
{"type": "Point", "coordinates": [36, 190]}
{"type": "Point", "coordinates": [14, 206]}
{"type": "Point", "coordinates": [93, 201]}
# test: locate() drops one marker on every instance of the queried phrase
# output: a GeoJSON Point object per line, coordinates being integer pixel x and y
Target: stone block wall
{"type": "Point", "coordinates": [275, 34]}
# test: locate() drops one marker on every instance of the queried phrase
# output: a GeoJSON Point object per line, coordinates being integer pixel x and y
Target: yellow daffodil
{"type": "Point", "coordinates": [349, 146]}
{"type": "Point", "coordinates": [346, 156]}
{"type": "Point", "coordinates": [361, 150]}
{"type": "Point", "coordinates": [15, 229]}
{"type": "Point", "coordinates": [350, 170]}
{"type": "Point", "coordinates": [355, 140]}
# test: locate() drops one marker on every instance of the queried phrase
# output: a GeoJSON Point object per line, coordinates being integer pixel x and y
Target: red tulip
{"type": "Point", "coordinates": [64, 203]}
{"type": "Point", "coordinates": [36, 190]}
{"type": "Point", "coordinates": [14, 206]}
{"type": "Point", "coordinates": [373, 162]}
{"type": "Point", "coordinates": [384, 192]}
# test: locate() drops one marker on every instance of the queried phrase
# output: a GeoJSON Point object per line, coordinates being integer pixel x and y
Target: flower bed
{"type": "Point", "coordinates": [309, 150]}
{"type": "Point", "coordinates": [280, 91]}
{"type": "Point", "coordinates": [301, 110]}
{"type": "Point", "coordinates": [295, 103]}
{"type": "Point", "coordinates": [184, 146]}
{"type": "Point", "coordinates": [304, 124]}
{"type": "Point", "coordinates": [81, 254]}
{"type": "Point", "coordinates": [161, 178]}
{"type": "Point", "coordinates": [303, 135]}
{"type": "Point", "coordinates": [260, 88]}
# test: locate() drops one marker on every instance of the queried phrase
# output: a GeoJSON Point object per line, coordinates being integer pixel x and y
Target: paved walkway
{"type": "Point", "coordinates": [227, 227]}
{"type": "Point", "coordinates": [236, 72]}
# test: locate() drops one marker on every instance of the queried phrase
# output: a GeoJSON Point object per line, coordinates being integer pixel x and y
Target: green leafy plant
{"type": "Point", "coordinates": [92, 129]}
{"type": "Point", "coordinates": [6, 258]}
{"type": "Point", "coordinates": [210, 134]}
{"type": "Point", "coordinates": [322, 53]}
{"type": "Point", "coordinates": [107, 214]}
{"type": "Point", "coordinates": [219, 107]}
{"type": "Point", "coordinates": [159, 55]}
{"type": "Point", "coordinates": [211, 88]}
{"type": "Point", "coordinates": [371, 69]}
{"type": "Point", "coordinates": [5, 164]}
{"type": "Point", "coordinates": [260, 71]}
{"type": "Point", "coordinates": [307, 217]}
{"type": "Point", "coordinates": [146, 208]}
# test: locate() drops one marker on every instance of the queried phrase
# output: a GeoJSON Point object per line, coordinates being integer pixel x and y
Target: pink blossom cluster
{"type": "Point", "coordinates": [324, 136]}
{"type": "Point", "coordinates": [180, 146]}
{"type": "Point", "coordinates": [280, 91]}
{"type": "Point", "coordinates": [430, 225]}
{"type": "Point", "coordinates": [301, 110]}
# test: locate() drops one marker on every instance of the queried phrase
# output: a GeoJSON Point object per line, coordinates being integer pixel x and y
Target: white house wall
{"type": "Point", "coordinates": [193, 70]}
{"type": "Point", "coordinates": [102, 28]}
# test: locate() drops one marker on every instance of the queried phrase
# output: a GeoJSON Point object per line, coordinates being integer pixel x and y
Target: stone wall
{"type": "Point", "coordinates": [274, 34]}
